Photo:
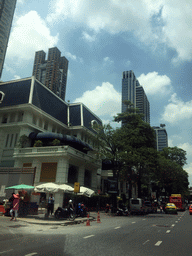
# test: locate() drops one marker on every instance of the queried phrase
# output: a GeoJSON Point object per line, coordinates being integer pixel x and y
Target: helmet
{"type": "Point", "coordinates": [70, 201]}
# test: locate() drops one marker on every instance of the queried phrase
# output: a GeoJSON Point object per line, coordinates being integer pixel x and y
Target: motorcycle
{"type": "Point", "coordinates": [122, 211]}
{"type": "Point", "coordinates": [64, 213]}
{"type": "Point", "coordinates": [81, 210]}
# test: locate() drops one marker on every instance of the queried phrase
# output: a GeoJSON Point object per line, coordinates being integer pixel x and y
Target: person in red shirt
{"type": "Point", "coordinates": [15, 207]}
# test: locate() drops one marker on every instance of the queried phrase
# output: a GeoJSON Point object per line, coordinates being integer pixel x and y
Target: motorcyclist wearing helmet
{"type": "Point", "coordinates": [70, 205]}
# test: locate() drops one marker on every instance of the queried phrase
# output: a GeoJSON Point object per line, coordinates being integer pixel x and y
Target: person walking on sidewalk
{"type": "Point", "coordinates": [15, 207]}
{"type": "Point", "coordinates": [50, 204]}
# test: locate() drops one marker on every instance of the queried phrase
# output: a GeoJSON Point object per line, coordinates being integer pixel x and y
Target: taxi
{"type": "Point", "coordinates": [190, 209]}
{"type": "Point", "coordinates": [170, 208]}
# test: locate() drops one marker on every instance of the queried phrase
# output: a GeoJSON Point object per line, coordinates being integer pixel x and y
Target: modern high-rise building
{"type": "Point", "coordinates": [161, 137]}
{"type": "Point", "coordinates": [52, 72]}
{"type": "Point", "coordinates": [134, 92]}
{"type": "Point", "coordinates": [7, 8]}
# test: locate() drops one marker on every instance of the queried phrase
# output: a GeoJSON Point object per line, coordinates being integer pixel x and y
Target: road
{"type": "Point", "coordinates": [155, 234]}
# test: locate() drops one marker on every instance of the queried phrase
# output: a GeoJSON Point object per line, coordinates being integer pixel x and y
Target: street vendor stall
{"type": "Point", "coordinates": [24, 203]}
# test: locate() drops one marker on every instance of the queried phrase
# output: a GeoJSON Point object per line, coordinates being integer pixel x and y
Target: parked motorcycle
{"type": "Point", "coordinates": [64, 213]}
{"type": "Point", "coordinates": [81, 210]}
{"type": "Point", "coordinates": [122, 211]}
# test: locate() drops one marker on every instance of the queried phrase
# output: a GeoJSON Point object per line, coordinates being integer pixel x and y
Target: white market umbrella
{"type": "Point", "coordinates": [86, 191]}
{"type": "Point", "coordinates": [47, 187]}
{"type": "Point", "coordinates": [66, 188]}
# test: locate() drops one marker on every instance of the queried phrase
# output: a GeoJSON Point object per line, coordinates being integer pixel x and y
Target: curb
{"type": "Point", "coordinates": [63, 223]}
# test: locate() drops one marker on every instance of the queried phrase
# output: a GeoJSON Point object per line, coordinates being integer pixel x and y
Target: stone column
{"type": "Point", "coordinates": [81, 175]}
{"type": "Point", "coordinates": [37, 164]}
{"type": "Point", "coordinates": [94, 179]}
{"type": "Point", "coordinates": [58, 200]}
{"type": "Point", "coordinates": [62, 171]}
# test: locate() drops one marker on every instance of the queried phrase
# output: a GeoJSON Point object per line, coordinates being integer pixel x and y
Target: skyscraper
{"type": "Point", "coordinates": [161, 137]}
{"type": "Point", "coordinates": [53, 71]}
{"type": "Point", "coordinates": [134, 92]}
{"type": "Point", "coordinates": [7, 8]}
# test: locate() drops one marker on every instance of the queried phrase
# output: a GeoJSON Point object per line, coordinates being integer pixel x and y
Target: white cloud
{"type": "Point", "coordinates": [187, 147]}
{"type": "Point", "coordinates": [111, 15]}
{"type": "Point", "coordinates": [172, 28]}
{"type": "Point", "coordinates": [178, 27]}
{"type": "Point", "coordinates": [103, 100]}
{"type": "Point", "coordinates": [88, 38]}
{"type": "Point", "coordinates": [71, 56]}
{"type": "Point", "coordinates": [30, 33]}
{"type": "Point", "coordinates": [177, 110]}
{"type": "Point", "coordinates": [188, 168]}
{"type": "Point", "coordinates": [107, 61]}
{"type": "Point", "coordinates": [155, 84]}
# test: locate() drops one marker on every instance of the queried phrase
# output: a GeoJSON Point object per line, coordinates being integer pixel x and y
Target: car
{"type": "Point", "coordinates": [137, 206]}
{"type": "Point", "coordinates": [148, 206]}
{"type": "Point", "coordinates": [170, 208]}
{"type": "Point", "coordinates": [190, 209]}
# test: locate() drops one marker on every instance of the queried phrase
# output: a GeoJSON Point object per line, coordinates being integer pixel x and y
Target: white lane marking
{"type": "Point", "coordinates": [173, 225]}
{"type": "Point", "coordinates": [176, 221]}
{"type": "Point", "coordinates": [6, 251]}
{"type": "Point", "coordinates": [117, 227]}
{"type": "Point", "coordinates": [85, 237]}
{"type": "Point", "coordinates": [30, 254]}
{"type": "Point", "coordinates": [143, 219]}
{"type": "Point", "coordinates": [168, 231]}
{"type": "Point", "coordinates": [133, 222]}
{"type": "Point", "coordinates": [146, 242]}
{"type": "Point", "coordinates": [158, 243]}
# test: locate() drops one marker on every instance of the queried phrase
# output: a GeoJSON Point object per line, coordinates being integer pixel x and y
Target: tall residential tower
{"type": "Point", "coordinates": [52, 72]}
{"type": "Point", "coordinates": [134, 92]}
{"type": "Point", "coordinates": [7, 8]}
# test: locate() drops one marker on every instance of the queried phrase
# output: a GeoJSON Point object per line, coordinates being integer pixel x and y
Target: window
{"type": "Point", "coordinates": [40, 122]}
{"type": "Point", "coordinates": [16, 136]}
{"type": "Point", "coordinates": [12, 117]}
{"type": "Point", "coordinates": [72, 174]}
{"type": "Point", "coordinates": [11, 140]}
{"type": "Point", "coordinates": [34, 120]}
{"type": "Point", "coordinates": [46, 125]}
{"type": "Point", "coordinates": [48, 172]}
{"type": "Point", "coordinates": [7, 140]}
{"type": "Point", "coordinates": [4, 120]}
{"type": "Point", "coordinates": [53, 129]}
{"type": "Point", "coordinates": [20, 116]}
{"type": "Point", "coordinates": [87, 179]}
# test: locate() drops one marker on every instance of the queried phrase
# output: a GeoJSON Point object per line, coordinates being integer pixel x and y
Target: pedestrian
{"type": "Point", "coordinates": [50, 207]}
{"type": "Point", "coordinates": [15, 207]}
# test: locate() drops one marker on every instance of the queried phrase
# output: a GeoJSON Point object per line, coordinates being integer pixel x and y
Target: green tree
{"type": "Point", "coordinates": [176, 155]}
{"type": "Point", "coordinates": [170, 176]}
{"type": "Point", "coordinates": [136, 141]}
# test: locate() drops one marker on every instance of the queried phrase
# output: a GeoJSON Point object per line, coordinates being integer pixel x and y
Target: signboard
{"type": "Point", "coordinates": [112, 186]}
{"type": "Point", "coordinates": [76, 187]}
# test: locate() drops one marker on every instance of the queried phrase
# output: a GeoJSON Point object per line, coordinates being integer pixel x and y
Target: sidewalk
{"type": "Point", "coordinates": [40, 219]}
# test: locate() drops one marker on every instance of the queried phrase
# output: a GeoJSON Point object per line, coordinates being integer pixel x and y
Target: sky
{"type": "Point", "coordinates": [101, 39]}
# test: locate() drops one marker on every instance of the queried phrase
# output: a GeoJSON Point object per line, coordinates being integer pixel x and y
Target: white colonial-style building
{"type": "Point", "coordinates": [29, 108]}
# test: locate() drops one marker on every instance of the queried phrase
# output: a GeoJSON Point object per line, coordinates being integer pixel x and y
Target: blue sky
{"type": "Point", "coordinates": [101, 39]}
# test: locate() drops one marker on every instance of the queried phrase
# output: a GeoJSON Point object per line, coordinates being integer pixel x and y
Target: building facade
{"type": "Point", "coordinates": [7, 8]}
{"type": "Point", "coordinates": [52, 72]}
{"type": "Point", "coordinates": [134, 92]}
{"type": "Point", "coordinates": [31, 110]}
{"type": "Point", "coordinates": [161, 138]}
